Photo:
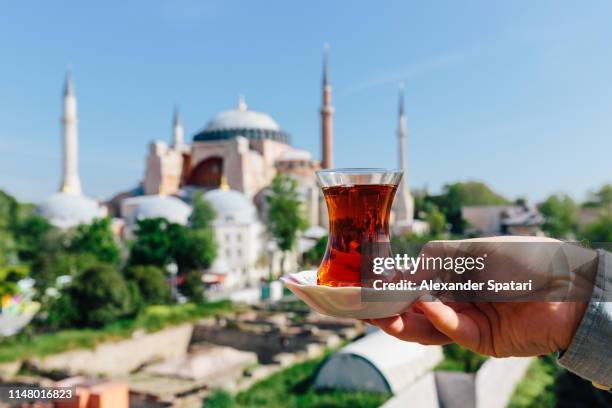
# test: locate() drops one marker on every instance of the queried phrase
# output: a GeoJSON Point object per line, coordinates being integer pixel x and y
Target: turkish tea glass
{"type": "Point", "coordinates": [359, 206]}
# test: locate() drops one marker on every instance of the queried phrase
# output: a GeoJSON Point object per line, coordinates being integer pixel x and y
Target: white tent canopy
{"type": "Point", "coordinates": [378, 363]}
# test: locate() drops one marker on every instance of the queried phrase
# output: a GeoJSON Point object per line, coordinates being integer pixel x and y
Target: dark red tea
{"type": "Point", "coordinates": [358, 215]}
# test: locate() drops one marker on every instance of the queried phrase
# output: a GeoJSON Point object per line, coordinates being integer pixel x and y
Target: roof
{"type": "Point", "coordinates": [231, 205]}
{"type": "Point", "coordinates": [242, 119]}
{"type": "Point", "coordinates": [241, 122]}
{"type": "Point", "coordinates": [377, 362]}
{"type": "Point", "coordinates": [489, 219]}
{"type": "Point", "coordinates": [65, 210]}
{"type": "Point", "coordinates": [156, 206]}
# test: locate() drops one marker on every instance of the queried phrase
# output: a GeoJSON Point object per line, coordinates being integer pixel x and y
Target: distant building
{"type": "Point", "coordinates": [138, 208]}
{"type": "Point", "coordinates": [377, 362]}
{"type": "Point", "coordinates": [69, 207]}
{"type": "Point", "coordinates": [245, 147]}
{"type": "Point", "coordinates": [240, 240]}
{"type": "Point", "coordinates": [488, 220]}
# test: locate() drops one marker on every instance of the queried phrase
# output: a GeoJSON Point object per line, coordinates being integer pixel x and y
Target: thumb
{"type": "Point", "coordinates": [457, 326]}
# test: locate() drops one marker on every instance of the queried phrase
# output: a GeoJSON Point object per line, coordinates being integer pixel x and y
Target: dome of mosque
{"type": "Point", "coordinates": [242, 119]}
{"type": "Point", "coordinates": [157, 206]}
{"type": "Point", "coordinates": [241, 122]}
{"type": "Point", "coordinates": [65, 210]}
{"type": "Point", "coordinates": [231, 205]}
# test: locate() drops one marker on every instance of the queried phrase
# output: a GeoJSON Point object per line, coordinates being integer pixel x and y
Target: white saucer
{"type": "Point", "coordinates": [342, 301]}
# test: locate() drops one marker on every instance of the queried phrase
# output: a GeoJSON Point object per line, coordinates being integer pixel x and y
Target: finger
{"type": "Point", "coordinates": [412, 327]}
{"type": "Point", "coordinates": [456, 326]}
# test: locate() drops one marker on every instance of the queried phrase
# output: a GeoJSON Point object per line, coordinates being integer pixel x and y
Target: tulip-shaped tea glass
{"type": "Point", "coordinates": [359, 205]}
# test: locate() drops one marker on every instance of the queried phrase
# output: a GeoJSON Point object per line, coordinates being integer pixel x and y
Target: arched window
{"type": "Point", "coordinates": [207, 173]}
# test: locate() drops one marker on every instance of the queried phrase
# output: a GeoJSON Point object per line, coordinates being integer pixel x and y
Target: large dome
{"type": "Point", "coordinates": [242, 119]}
{"type": "Point", "coordinates": [65, 210]}
{"type": "Point", "coordinates": [231, 205]}
{"type": "Point", "coordinates": [241, 122]}
{"type": "Point", "coordinates": [156, 206]}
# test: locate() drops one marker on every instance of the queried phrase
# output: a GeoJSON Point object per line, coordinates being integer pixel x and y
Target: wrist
{"type": "Point", "coordinates": [573, 312]}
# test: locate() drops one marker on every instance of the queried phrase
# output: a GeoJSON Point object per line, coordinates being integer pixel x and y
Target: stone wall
{"type": "Point", "coordinates": [266, 343]}
{"type": "Point", "coordinates": [121, 357]}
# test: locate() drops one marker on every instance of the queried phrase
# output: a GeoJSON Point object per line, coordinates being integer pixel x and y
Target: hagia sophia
{"type": "Point", "coordinates": [232, 160]}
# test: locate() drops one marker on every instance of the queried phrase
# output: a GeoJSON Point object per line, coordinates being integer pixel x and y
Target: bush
{"type": "Point", "coordinates": [96, 238]}
{"type": "Point", "coordinates": [457, 358]}
{"type": "Point", "coordinates": [62, 312]}
{"type": "Point", "coordinates": [192, 286]}
{"type": "Point", "coordinates": [151, 282]}
{"type": "Point", "coordinates": [101, 294]}
{"type": "Point", "coordinates": [219, 399]}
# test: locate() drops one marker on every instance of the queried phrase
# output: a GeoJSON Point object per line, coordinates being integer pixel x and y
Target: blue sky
{"type": "Point", "coordinates": [516, 94]}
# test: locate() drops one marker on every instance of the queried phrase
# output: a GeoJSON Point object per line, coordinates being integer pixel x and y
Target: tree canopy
{"type": "Point", "coordinates": [600, 230]}
{"type": "Point", "coordinates": [202, 214]}
{"type": "Point", "coordinates": [97, 239]}
{"type": "Point", "coordinates": [285, 212]}
{"type": "Point", "coordinates": [561, 216]}
{"type": "Point", "coordinates": [101, 294]}
{"type": "Point", "coordinates": [457, 195]}
{"type": "Point", "coordinates": [601, 198]}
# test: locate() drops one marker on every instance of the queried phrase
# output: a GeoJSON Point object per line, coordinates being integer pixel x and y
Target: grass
{"type": "Point", "coordinates": [536, 389]}
{"type": "Point", "coordinates": [457, 358]}
{"type": "Point", "coordinates": [292, 388]}
{"type": "Point", "coordinates": [547, 385]}
{"type": "Point", "coordinates": [152, 319]}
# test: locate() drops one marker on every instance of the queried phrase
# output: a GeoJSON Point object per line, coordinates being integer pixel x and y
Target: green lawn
{"type": "Point", "coordinates": [291, 388]}
{"type": "Point", "coordinates": [457, 358]}
{"type": "Point", "coordinates": [548, 385]}
{"type": "Point", "coordinates": [152, 319]}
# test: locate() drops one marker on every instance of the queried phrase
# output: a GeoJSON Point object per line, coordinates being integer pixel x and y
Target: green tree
{"type": "Point", "coordinates": [101, 295]}
{"type": "Point", "coordinates": [192, 286]}
{"type": "Point", "coordinates": [8, 248]}
{"type": "Point", "coordinates": [457, 195]}
{"type": "Point", "coordinates": [600, 230]}
{"type": "Point", "coordinates": [160, 243]}
{"type": "Point", "coordinates": [437, 223]}
{"type": "Point", "coordinates": [561, 216]}
{"type": "Point", "coordinates": [202, 214]}
{"type": "Point", "coordinates": [601, 198]}
{"type": "Point", "coordinates": [9, 211]}
{"type": "Point", "coordinates": [196, 249]}
{"type": "Point", "coordinates": [52, 259]}
{"type": "Point", "coordinates": [156, 242]}
{"type": "Point", "coordinates": [151, 282]}
{"type": "Point", "coordinates": [97, 239]}
{"type": "Point", "coordinates": [30, 233]}
{"type": "Point", "coordinates": [285, 213]}
{"type": "Point", "coordinates": [62, 312]}
{"type": "Point", "coordinates": [314, 255]}
{"type": "Point", "coordinates": [9, 276]}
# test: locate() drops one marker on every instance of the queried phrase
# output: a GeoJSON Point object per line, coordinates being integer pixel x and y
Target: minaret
{"type": "Point", "coordinates": [327, 113]}
{"type": "Point", "coordinates": [177, 131]}
{"type": "Point", "coordinates": [71, 183]}
{"type": "Point", "coordinates": [401, 134]}
{"type": "Point", "coordinates": [403, 205]}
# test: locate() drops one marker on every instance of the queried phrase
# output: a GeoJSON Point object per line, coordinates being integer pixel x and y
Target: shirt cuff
{"type": "Point", "coordinates": [589, 353]}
